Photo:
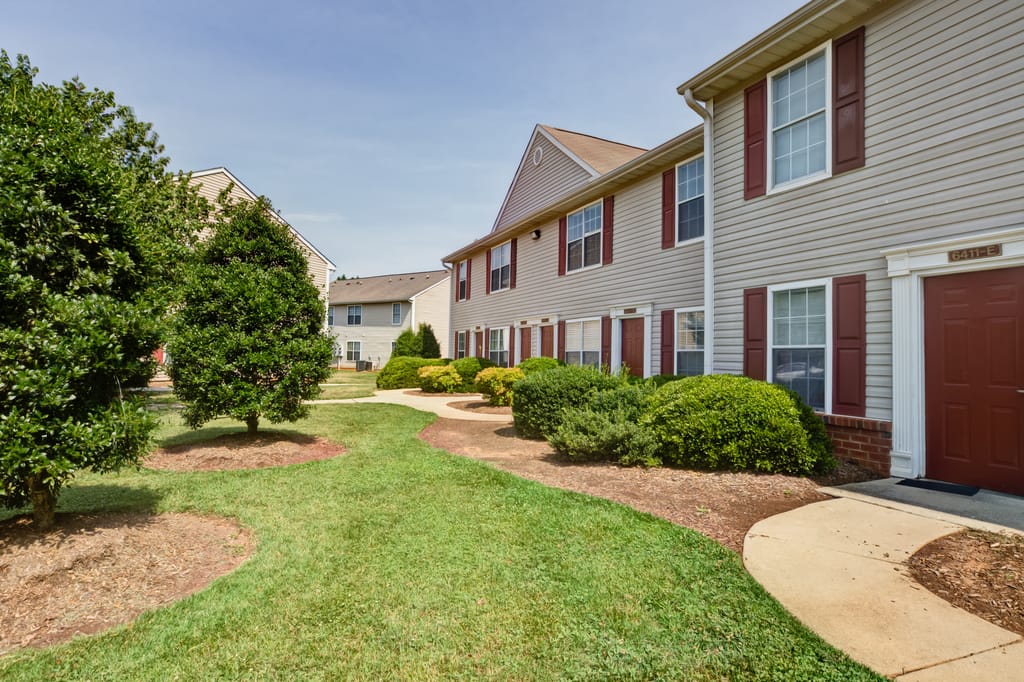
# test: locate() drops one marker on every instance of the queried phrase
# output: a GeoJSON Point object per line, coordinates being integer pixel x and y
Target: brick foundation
{"type": "Point", "coordinates": [864, 441]}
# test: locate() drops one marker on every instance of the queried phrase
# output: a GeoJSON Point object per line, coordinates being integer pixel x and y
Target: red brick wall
{"type": "Point", "coordinates": [864, 441]}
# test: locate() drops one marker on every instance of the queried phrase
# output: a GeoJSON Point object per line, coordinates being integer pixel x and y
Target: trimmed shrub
{"type": "Point", "coordinates": [541, 397]}
{"type": "Point", "coordinates": [724, 421]}
{"type": "Point", "coordinates": [607, 429]}
{"type": "Point", "coordinates": [468, 368]}
{"type": "Point", "coordinates": [496, 383]}
{"type": "Point", "coordinates": [539, 364]}
{"type": "Point", "coordinates": [439, 379]}
{"type": "Point", "coordinates": [407, 345]}
{"type": "Point", "coordinates": [817, 434]}
{"type": "Point", "coordinates": [403, 372]}
{"type": "Point", "coordinates": [659, 380]}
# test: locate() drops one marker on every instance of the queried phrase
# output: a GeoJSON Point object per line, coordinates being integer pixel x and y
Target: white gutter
{"type": "Point", "coordinates": [706, 112]}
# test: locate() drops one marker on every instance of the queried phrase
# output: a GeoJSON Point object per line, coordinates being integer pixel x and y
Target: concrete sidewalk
{"type": "Point", "coordinates": [438, 403]}
{"type": "Point", "coordinates": [838, 566]}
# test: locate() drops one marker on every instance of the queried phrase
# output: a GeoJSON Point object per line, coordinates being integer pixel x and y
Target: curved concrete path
{"type": "Point", "coordinates": [838, 566]}
{"type": "Point", "coordinates": [436, 403]}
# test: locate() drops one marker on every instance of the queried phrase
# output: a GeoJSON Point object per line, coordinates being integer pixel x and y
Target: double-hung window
{"type": "Point", "coordinates": [690, 200]}
{"type": "Point", "coordinates": [799, 341]}
{"type": "Point", "coordinates": [799, 120]}
{"type": "Point", "coordinates": [352, 349]}
{"type": "Point", "coordinates": [497, 350]}
{"type": "Point", "coordinates": [583, 343]}
{"type": "Point", "coordinates": [690, 343]}
{"type": "Point", "coordinates": [460, 345]}
{"type": "Point", "coordinates": [330, 316]}
{"type": "Point", "coordinates": [501, 267]}
{"type": "Point", "coordinates": [462, 281]}
{"type": "Point", "coordinates": [396, 313]}
{"type": "Point", "coordinates": [355, 315]}
{"type": "Point", "coordinates": [583, 237]}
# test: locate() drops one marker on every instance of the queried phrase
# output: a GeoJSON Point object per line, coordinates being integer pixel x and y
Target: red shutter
{"type": "Point", "coordinates": [608, 216]}
{"type": "Point", "coordinates": [668, 209]}
{"type": "Point", "coordinates": [755, 333]}
{"type": "Point", "coordinates": [561, 340]}
{"type": "Point", "coordinates": [668, 341]}
{"type": "Point", "coordinates": [755, 137]}
{"type": "Point", "coordinates": [848, 102]}
{"type": "Point", "coordinates": [512, 264]}
{"type": "Point", "coordinates": [486, 343]}
{"type": "Point", "coordinates": [487, 274]}
{"type": "Point", "coordinates": [563, 228]}
{"type": "Point", "coordinates": [511, 345]}
{"type": "Point", "coordinates": [606, 341]}
{"type": "Point", "coordinates": [469, 275]}
{"type": "Point", "coordinates": [849, 345]}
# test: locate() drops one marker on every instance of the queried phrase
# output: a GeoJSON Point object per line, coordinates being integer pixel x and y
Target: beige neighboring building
{"type": "Point", "coordinates": [215, 180]}
{"type": "Point", "coordinates": [367, 314]}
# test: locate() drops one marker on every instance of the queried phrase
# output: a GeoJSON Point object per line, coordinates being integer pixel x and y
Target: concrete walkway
{"type": "Point", "coordinates": [838, 566]}
{"type": "Point", "coordinates": [427, 402]}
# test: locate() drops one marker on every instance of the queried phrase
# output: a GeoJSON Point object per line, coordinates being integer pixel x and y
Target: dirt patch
{"type": "Point", "coordinates": [982, 573]}
{"type": "Point", "coordinates": [722, 505]}
{"type": "Point", "coordinates": [96, 571]}
{"type": "Point", "coordinates": [242, 451]}
{"type": "Point", "coordinates": [482, 406]}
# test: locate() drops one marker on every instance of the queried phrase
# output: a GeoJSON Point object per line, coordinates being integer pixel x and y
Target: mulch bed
{"type": "Point", "coordinates": [982, 573]}
{"type": "Point", "coordinates": [95, 571]}
{"type": "Point", "coordinates": [242, 451]}
{"type": "Point", "coordinates": [482, 406]}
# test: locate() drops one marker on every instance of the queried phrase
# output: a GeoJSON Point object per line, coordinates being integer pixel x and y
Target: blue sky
{"type": "Point", "coordinates": [386, 131]}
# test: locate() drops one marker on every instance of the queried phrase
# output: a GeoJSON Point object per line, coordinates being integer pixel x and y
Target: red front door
{"type": "Point", "coordinates": [547, 341]}
{"type": "Point", "coordinates": [480, 345]}
{"type": "Point", "coordinates": [974, 378]}
{"type": "Point", "coordinates": [525, 343]}
{"type": "Point", "coordinates": [633, 345]}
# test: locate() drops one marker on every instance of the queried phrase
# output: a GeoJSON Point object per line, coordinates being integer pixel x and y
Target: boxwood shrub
{"type": "Point", "coordinates": [731, 422]}
{"type": "Point", "coordinates": [439, 379]}
{"type": "Point", "coordinates": [496, 383]}
{"type": "Point", "coordinates": [403, 372]}
{"type": "Point", "coordinates": [468, 368]}
{"type": "Point", "coordinates": [608, 429]}
{"type": "Point", "coordinates": [539, 364]}
{"type": "Point", "coordinates": [541, 397]}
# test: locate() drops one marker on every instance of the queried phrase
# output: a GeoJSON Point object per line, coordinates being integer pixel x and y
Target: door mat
{"type": "Point", "coordinates": [955, 488]}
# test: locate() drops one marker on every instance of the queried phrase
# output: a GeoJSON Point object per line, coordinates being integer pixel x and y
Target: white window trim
{"type": "Point", "coordinates": [465, 344]}
{"type": "Point", "coordinates": [692, 240]}
{"type": "Point", "coordinates": [600, 261]}
{"type": "Point", "coordinates": [489, 271]}
{"type": "Point", "coordinates": [359, 350]}
{"type": "Point", "coordinates": [675, 344]}
{"type": "Point", "coordinates": [505, 337]}
{"type": "Point", "coordinates": [393, 323]}
{"type": "Point", "coordinates": [806, 284]}
{"type": "Point", "coordinates": [908, 267]}
{"type": "Point", "coordinates": [348, 315]}
{"type": "Point", "coordinates": [646, 312]}
{"type": "Point", "coordinates": [807, 179]}
{"type": "Point", "coordinates": [600, 360]}
{"type": "Point", "coordinates": [459, 279]}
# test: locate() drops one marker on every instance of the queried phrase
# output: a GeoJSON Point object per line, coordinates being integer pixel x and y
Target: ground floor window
{"type": "Point", "coordinates": [352, 349]}
{"type": "Point", "coordinates": [497, 348]}
{"type": "Point", "coordinates": [583, 343]}
{"type": "Point", "coordinates": [690, 343]}
{"type": "Point", "coordinates": [799, 337]}
{"type": "Point", "coordinates": [460, 345]}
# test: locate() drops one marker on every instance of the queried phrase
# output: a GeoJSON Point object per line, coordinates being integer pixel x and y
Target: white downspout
{"type": "Point", "coordinates": [706, 112]}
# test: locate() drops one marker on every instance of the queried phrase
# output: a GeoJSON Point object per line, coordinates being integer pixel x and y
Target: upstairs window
{"type": "Point", "coordinates": [583, 238]}
{"type": "Point", "coordinates": [501, 267]}
{"type": "Point", "coordinates": [690, 200]}
{"type": "Point", "coordinates": [330, 316]}
{"type": "Point", "coordinates": [798, 120]}
{"type": "Point", "coordinates": [396, 313]}
{"type": "Point", "coordinates": [463, 276]}
{"type": "Point", "coordinates": [355, 315]}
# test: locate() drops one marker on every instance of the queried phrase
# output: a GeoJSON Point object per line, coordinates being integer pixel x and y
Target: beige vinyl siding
{"type": "Point", "coordinates": [432, 307]}
{"type": "Point", "coordinates": [641, 273]}
{"type": "Point", "coordinates": [375, 333]}
{"type": "Point", "coordinates": [537, 186]}
{"type": "Point", "coordinates": [944, 144]}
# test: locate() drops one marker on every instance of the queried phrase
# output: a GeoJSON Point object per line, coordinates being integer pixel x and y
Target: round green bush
{"type": "Point", "coordinates": [403, 372]}
{"type": "Point", "coordinates": [659, 380]}
{"type": "Point", "coordinates": [468, 368]}
{"type": "Point", "coordinates": [496, 383]}
{"type": "Point", "coordinates": [607, 429]}
{"type": "Point", "coordinates": [730, 422]}
{"type": "Point", "coordinates": [439, 379]}
{"type": "Point", "coordinates": [541, 397]}
{"type": "Point", "coordinates": [539, 364]}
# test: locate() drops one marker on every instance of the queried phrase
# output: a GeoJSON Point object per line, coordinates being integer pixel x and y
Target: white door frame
{"type": "Point", "coordinates": [620, 313]}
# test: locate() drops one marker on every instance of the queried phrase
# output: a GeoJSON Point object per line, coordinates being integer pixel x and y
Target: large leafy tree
{"type": "Point", "coordinates": [91, 229]}
{"type": "Point", "coordinates": [248, 341]}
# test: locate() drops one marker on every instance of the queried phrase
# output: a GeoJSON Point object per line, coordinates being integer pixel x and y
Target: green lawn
{"type": "Point", "coordinates": [399, 561]}
{"type": "Point", "coordinates": [355, 385]}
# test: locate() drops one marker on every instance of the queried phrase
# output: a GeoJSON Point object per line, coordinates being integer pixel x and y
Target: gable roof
{"type": "Point", "coordinates": [596, 153]}
{"type": "Point", "coordinates": [213, 186]}
{"type": "Point", "coordinates": [801, 31]}
{"type": "Point", "coordinates": [385, 288]}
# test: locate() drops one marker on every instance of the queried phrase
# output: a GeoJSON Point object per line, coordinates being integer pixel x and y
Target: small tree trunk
{"type": "Point", "coordinates": [252, 423]}
{"type": "Point", "coordinates": [44, 503]}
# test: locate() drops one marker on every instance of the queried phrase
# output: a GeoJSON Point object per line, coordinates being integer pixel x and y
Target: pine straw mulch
{"type": "Point", "coordinates": [242, 451]}
{"type": "Point", "coordinates": [95, 571]}
{"type": "Point", "coordinates": [982, 573]}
